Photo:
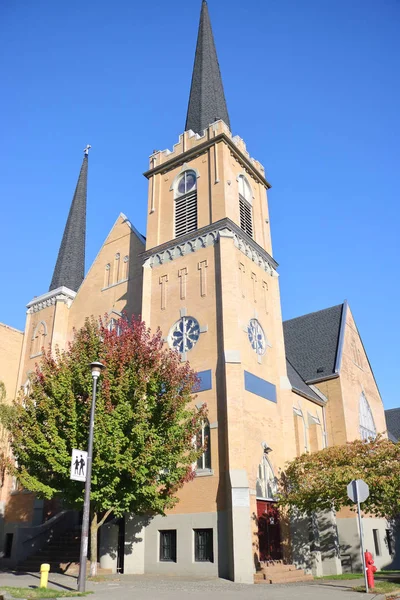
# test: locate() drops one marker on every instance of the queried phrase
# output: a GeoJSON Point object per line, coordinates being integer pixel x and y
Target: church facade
{"type": "Point", "coordinates": [205, 274]}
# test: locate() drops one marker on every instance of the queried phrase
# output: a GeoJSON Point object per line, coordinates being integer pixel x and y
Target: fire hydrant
{"type": "Point", "coordinates": [371, 569]}
{"type": "Point", "coordinates": [44, 575]}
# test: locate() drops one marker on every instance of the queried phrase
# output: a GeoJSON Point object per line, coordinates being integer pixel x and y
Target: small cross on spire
{"type": "Point", "coordinates": [86, 150]}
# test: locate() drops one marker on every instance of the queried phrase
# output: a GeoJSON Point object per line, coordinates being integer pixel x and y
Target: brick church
{"type": "Point", "coordinates": [205, 274]}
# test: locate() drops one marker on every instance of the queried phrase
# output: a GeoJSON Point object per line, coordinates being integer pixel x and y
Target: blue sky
{"type": "Point", "coordinates": [311, 86]}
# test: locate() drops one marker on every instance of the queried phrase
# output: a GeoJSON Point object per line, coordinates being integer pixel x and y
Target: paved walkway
{"type": "Point", "coordinates": [147, 587]}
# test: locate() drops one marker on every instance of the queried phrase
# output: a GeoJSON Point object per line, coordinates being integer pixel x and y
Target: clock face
{"type": "Point", "coordinates": [257, 337]}
{"type": "Point", "coordinates": [184, 334]}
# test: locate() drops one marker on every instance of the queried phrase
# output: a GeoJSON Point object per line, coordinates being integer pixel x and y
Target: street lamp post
{"type": "Point", "coordinates": [96, 368]}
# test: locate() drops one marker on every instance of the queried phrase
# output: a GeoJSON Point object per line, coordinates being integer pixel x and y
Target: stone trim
{"type": "Point", "coordinates": [61, 294]}
{"type": "Point", "coordinates": [209, 236]}
{"type": "Point", "coordinates": [114, 284]}
{"type": "Point", "coordinates": [204, 472]}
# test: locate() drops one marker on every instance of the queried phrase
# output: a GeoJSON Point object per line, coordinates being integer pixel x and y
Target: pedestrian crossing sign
{"type": "Point", "coordinates": [78, 465]}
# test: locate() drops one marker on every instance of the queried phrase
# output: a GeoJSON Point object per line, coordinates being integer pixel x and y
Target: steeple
{"type": "Point", "coordinates": [70, 266]}
{"type": "Point", "coordinates": [207, 99]}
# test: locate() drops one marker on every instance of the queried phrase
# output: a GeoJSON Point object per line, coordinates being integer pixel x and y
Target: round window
{"type": "Point", "coordinates": [184, 334]}
{"type": "Point", "coordinates": [187, 182]}
{"type": "Point", "coordinates": [257, 337]}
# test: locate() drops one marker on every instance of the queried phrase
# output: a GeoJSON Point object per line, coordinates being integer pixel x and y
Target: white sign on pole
{"type": "Point", "coordinates": [78, 465]}
{"type": "Point", "coordinates": [357, 490]}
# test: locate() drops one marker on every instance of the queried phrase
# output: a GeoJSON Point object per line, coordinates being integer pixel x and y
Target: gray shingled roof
{"type": "Point", "coordinates": [207, 99]}
{"type": "Point", "coordinates": [311, 342]}
{"type": "Point", "coordinates": [298, 385]}
{"type": "Point", "coordinates": [392, 416]}
{"type": "Point", "coordinates": [70, 266]}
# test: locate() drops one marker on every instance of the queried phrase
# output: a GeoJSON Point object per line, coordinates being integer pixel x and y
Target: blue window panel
{"type": "Point", "coordinates": [260, 387]}
{"type": "Point", "coordinates": [204, 381]}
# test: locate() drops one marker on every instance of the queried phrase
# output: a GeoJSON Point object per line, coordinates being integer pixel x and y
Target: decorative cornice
{"type": "Point", "coordinates": [208, 236]}
{"type": "Point", "coordinates": [61, 294]}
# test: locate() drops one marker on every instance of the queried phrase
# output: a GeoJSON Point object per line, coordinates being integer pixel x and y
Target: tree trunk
{"type": "Point", "coordinates": [93, 545]}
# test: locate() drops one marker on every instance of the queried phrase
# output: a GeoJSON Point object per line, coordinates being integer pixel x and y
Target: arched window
{"type": "Point", "coordinates": [117, 267]}
{"type": "Point", "coordinates": [186, 203]}
{"type": "Point", "coordinates": [367, 424]}
{"type": "Point", "coordinates": [38, 338]}
{"type": "Point", "coordinates": [266, 481]}
{"type": "Point", "coordinates": [125, 273]}
{"type": "Point", "coordinates": [203, 441]}
{"type": "Point", "coordinates": [107, 272]}
{"type": "Point", "coordinates": [114, 325]}
{"type": "Point", "coordinates": [245, 205]}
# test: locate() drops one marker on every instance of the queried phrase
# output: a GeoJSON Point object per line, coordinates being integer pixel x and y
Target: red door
{"type": "Point", "coordinates": [269, 531]}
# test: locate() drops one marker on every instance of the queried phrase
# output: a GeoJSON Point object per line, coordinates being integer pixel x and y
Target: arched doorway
{"type": "Point", "coordinates": [269, 530]}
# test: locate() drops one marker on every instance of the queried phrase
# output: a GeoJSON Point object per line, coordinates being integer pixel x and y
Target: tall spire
{"type": "Point", "coordinates": [207, 99]}
{"type": "Point", "coordinates": [70, 266]}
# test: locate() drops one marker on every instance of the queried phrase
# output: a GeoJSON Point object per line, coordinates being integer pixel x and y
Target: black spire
{"type": "Point", "coordinates": [70, 266]}
{"type": "Point", "coordinates": [207, 99]}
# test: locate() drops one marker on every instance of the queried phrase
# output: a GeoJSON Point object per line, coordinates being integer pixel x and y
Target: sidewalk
{"type": "Point", "coordinates": [151, 587]}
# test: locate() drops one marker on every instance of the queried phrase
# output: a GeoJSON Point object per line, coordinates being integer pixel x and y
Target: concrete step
{"type": "Point", "coordinates": [279, 569]}
{"type": "Point", "coordinates": [298, 579]}
{"type": "Point", "coordinates": [281, 573]}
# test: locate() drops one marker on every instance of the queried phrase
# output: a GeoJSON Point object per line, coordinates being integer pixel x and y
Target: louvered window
{"type": "Point", "coordinates": [245, 205]}
{"type": "Point", "coordinates": [186, 204]}
{"type": "Point", "coordinates": [186, 214]}
{"type": "Point", "coordinates": [246, 217]}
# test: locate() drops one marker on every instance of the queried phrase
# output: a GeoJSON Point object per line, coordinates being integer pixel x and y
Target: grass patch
{"type": "Point", "coordinates": [381, 587]}
{"type": "Point", "coordinates": [31, 593]}
{"type": "Point", "coordinates": [100, 578]}
{"type": "Point", "coordinates": [344, 576]}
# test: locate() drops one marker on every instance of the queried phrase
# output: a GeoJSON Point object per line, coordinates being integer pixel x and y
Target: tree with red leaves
{"type": "Point", "coordinates": [145, 423]}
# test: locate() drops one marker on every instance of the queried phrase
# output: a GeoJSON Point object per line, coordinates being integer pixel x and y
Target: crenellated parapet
{"type": "Point", "coordinates": [190, 142]}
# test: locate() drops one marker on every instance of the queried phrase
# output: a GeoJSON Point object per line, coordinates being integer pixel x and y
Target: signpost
{"type": "Point", "coordinates": [358, 491]}
{"type": "Point", "coordinates": [78, 465]}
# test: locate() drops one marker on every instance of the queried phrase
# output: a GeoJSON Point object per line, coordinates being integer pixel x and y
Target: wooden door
{"type": "Point", "coordinates": [269, 531]}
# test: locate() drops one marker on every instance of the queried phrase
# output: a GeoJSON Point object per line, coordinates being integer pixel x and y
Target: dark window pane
{"type": "Point", "coordinates": [203, 545]}
{"type": "Point", "coordinates": [377, 543]}
{"type": "Point", "coordinates": [168, 545]}
{"type": "Point", "coordinates": [389, 541]}
{"type": "Point", "coordinates": [207, 453]}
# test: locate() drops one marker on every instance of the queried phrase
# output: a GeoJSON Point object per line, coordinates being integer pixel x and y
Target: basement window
{"type": "Point", "coordinates": [203, 545]}
{"type": "Point", "coordinates": [168, 545]}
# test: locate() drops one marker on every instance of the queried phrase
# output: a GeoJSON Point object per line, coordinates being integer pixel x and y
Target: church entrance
{"type": "Point", "coordinates": [269, 531]}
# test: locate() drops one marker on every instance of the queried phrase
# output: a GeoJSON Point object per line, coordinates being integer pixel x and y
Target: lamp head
{"type": "Point", "coordinates": [96, 368]}
{"type": "Point", "coordinates": [267, 449]}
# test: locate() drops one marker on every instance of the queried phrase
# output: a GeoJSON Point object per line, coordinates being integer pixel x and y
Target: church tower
{"type": "Point", "coordinates": [47, 315]}
{"type": "Point", "coordinates": [211, 284]}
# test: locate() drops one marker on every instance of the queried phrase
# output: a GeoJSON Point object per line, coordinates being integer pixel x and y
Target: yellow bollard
{"type": "Point", "coordinates": [44, 574]}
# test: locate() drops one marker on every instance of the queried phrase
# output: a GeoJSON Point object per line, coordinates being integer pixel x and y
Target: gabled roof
{"type": "Point", "coordinates": [299, 386]}
{"type": "Point", "coordinates": [392, 416]}
{"type": "Point", "coordinates": [312, 342]}
{"type": "Point", "coordinates": [207, 99]}
{"type": "Point", "coordinates": [70, 266]}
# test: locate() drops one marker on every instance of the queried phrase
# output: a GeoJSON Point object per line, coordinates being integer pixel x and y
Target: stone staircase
{"type": "Point", "coordinates": [278, 572]}
{"type": "Point", "coordinates": [62, 553]}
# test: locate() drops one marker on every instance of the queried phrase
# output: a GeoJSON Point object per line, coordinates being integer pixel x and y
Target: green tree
{"type": "Point", "coordinates": [145, 423]}
{"type": "Point", "coordinates": [318, 481]}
